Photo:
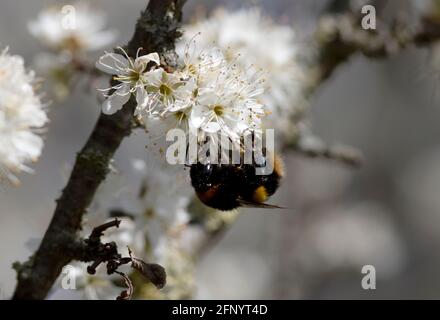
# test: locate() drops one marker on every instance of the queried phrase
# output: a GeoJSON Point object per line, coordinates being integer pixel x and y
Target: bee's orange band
{"type": "Point", "coordinates": [260, 194]}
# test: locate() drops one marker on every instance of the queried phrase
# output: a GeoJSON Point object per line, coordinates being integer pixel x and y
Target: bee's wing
{"type": "Point", "coordinates": [251, 204]}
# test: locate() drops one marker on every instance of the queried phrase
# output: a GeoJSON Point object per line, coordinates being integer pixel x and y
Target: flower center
{"type": "Point", "coordinates": [192, 69]}
{"type": "Point", "coordinates": [72, 43]}
{"type": "Point", "coordinates": [132, 77]}
{"type": "Point", "coordinates": [135, 76]}
{"type": "Point", "coordinates": [165, 90]}
{"type": "Point", "coordinates": [218, 110]}
{"type": "Point", "coordinates": [180, 115]}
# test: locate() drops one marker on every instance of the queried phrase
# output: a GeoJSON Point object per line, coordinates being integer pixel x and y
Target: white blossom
{"type": "Point", "coordinates": [238, 273]}
{"type": "Point", "coordinates": [253, 42]}
{"type": "Point", "coordinates": [58, 73]}
{"type": "Point", "coordinates": [226, 99]}
{"type": "Point", "coordinates": [166, 194]}
{"type": "Point", "coordinates": [179, 266]}
{"type": "Point", "coordinates": [346, 238]}
{"type": "Point", "coordinates": [21, 116]}
{"type": "Point", "coordinates": [207, 93]}
{"type": "Point", "coordinates": [167, 89]}
{"type": "Point", "coordinates": [82, 29]}
{"type": "Point", "coordinates": [130, 75]}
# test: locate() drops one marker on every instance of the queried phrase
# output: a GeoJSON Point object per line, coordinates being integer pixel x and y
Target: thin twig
{"type": "Point", "coordinates": [98, 231]}
{"type": "Point", "coordinates": [338, 38]}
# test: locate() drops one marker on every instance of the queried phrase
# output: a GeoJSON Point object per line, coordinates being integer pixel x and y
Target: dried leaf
{"type": "Point", "coordinates": [126, 294]}
{"type": "Point", "coordinates": [152, 271]}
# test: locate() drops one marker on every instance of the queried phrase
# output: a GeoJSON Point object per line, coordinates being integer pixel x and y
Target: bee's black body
{"type": "Point", "coordinates": [229, 186]}
{"type": "Point", "coordinates": [216, 185]}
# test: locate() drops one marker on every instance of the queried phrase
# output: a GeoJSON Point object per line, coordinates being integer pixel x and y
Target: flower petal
{"type": "Point", "coordinates": [144, 60]}
{"type": "Point", "coordinates": [142, 98]}
{"type": "Point", "coordinates": [198, 116]}
{"type": "Point", "coordinates": [114, 103]}
{"type": "Point", "coordinates": [112, 63]}
{"type": "Point", "coordinates": [207, 97]}
{"type": "Point", "coordinates": [211, 127]}
{"type": "Point", "coordinates": [154, 78]}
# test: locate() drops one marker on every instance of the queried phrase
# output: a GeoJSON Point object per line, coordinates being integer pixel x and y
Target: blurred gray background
{"type": "Point", "coordinates": [388, 109]}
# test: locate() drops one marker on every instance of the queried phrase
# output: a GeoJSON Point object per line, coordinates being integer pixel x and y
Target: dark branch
{"type": "Point", "coordinates": [338, 38]}
{"type": "Point", "coordinates": [347, 38]}
{"type": "Point", "coordinates": [155, 31]}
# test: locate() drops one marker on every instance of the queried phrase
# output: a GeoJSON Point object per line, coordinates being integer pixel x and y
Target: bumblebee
{"type": "Point", "coordinates": [229, 186]}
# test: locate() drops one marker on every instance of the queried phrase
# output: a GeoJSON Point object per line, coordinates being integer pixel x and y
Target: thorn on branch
{"type": "Point", "coordinates": [98, 232]}
{"type": "Point", "coordinates": [92, 269]}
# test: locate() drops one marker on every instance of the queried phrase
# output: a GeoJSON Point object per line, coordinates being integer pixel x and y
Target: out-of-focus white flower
{"type": "Point", "coordinates": [164, 198]}
{"type": "Point", "coordinates": [349, 238]}
{"type": "Point", "coordinates": [82, 28]}
{"type": "Point", "coordinates": [130, 75]}
{"type": "Point", "coordinates": [165, 195]}
{"type": "Point", "coordinates": [21, 115]}
{"type": "Point", "coordinates": [253, 42]}
{"type": "Point", "coordinates": [99, 286]}
{"type": "Point", "coordinates": [234, 274]}
{"type": "Point", "coordinates": [179, 266]}
{"type": "Point", "coordinates": [57, 71]}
